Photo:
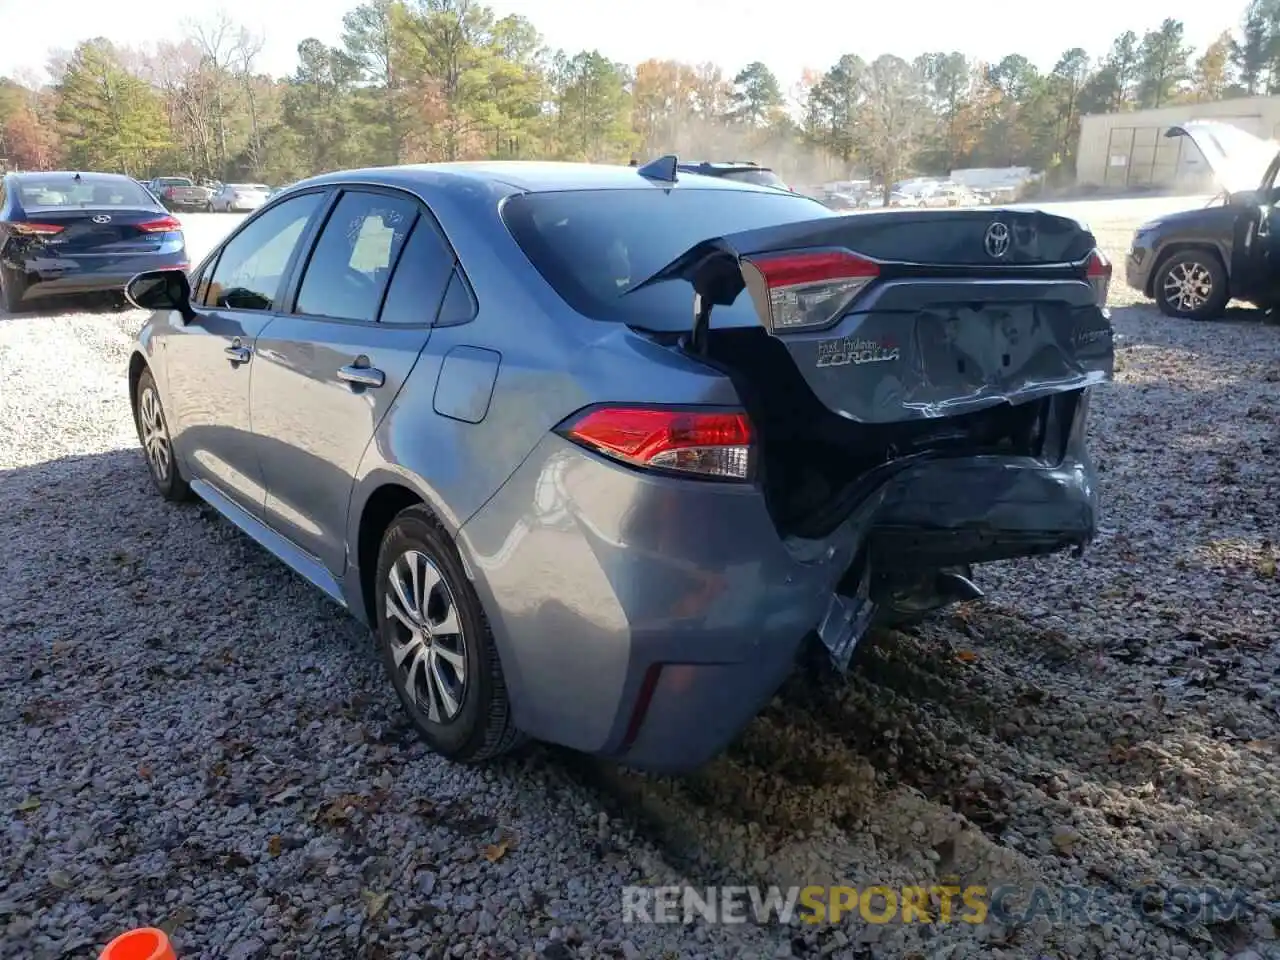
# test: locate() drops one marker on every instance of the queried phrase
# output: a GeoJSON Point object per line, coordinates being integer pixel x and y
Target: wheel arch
{"type": "Point", "coordinates": [137, 366]}
{"type": "Point", "coordinates": [379, 508]}
{"type": "Point", "coordinates": [1170, 250]}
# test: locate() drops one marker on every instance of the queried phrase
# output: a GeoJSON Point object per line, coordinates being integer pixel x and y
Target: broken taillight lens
{"type": "Point", "coordinates": [1098, 273]}
{"type": "Point", "coordinates": [715, 445]}
{"type": "Point", "coordinates": [808, 291]}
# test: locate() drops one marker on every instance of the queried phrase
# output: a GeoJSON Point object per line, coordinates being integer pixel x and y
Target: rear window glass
{"type": "Point", "coordinates": [591, 245]}
{"type": "Point", "coordinates": [174, 182]}
{"type": "Point", "coordinates": [761, 178]}
{"type": "Point", "coordinates": [47, 192]}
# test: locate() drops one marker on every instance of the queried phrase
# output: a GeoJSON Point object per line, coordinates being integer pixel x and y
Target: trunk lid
{"type": "Point", "coordinates": [906, 316]}
{"type": "Point", "coordinates": [109, 230]}
{"type": "Point", "coordinates": [1239, 160]}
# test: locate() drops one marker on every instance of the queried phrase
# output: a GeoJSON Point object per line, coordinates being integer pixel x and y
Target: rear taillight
{"type": "Point", "coordinates": [715, 445]}
{"type": "Point", "coordinates": [807, 291]}
{"type": "Point", "coordinates": [1098, 273]}
{"type": "Point", "coordinates": [35, 229]}
{"type": "Point", "coordinates": [163, 225]}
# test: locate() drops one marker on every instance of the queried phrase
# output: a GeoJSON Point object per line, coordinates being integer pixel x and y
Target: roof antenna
{"type": "Point", "coordinates": [76, 177]}
{"type": "Point", "coordinates": [664, 169]}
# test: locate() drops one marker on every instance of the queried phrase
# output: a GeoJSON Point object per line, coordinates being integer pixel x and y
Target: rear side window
{"type": "Point", "coordinates": [352, 259]}
{"type": "Point", "coordinates": [591, 245]}
{"type": "Point", "coordinates": [248, 273]}
{"type": "Point", "coordinates": [418, 285]}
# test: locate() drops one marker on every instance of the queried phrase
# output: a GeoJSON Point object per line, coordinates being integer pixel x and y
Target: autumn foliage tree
{"type": "Point", "coordinates": [430, 80]}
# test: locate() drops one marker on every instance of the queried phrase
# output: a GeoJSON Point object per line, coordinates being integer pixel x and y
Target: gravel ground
{"type": "Point", "coordinates": [194, 738]}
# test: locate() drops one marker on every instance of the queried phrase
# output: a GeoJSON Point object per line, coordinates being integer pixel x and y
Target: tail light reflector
{"type": "Point", "coordinates": [163, 225]}
{"type": "Point", "coordinates": [1098, 273]}
{"type": "Point", "coordinates": [715, 445]}
{"type": "Point", "coordinates": [36, 229]}
{"type": "Point", "coordinates": [808, 291]}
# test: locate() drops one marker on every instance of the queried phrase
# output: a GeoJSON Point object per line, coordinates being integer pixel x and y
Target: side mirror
{"type": "Point", "coordinates": [161, 290]}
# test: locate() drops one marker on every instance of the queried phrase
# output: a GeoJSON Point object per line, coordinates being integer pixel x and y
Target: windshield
{"type": "Point", "coordinates": [247, 187]}
{"type": "Point", "coordinates": [53, 192]}
{"type": "Point", "coordinates": [591, 245]}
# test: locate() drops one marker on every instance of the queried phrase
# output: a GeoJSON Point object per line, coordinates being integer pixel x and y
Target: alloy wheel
{"type": "Point", "coordinates": [155, 435]}
{"type": "Point", "coordinates": [1188, 286]}
{"type": "Point", "coordinates": [428, 647]}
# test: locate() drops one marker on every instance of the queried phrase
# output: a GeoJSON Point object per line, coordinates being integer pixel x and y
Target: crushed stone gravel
{"type": "Point", "coordinates": [192, 737]}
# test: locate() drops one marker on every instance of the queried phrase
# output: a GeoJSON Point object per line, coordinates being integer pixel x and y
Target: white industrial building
{"type": "Point", "coordinates": [1126, 150]}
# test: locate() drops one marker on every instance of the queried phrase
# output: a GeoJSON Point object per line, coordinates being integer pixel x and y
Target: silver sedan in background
{"type": "Point", "coordinates": [239, 197]}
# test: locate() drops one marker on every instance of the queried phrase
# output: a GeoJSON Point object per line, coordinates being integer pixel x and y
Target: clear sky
{"type": "Point", "coordinates": [788, 36]}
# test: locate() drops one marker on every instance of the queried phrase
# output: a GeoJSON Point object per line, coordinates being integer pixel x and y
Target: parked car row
{"type": "Point", "coordinates": [182, 193]}
{"type": "Point", "coordinates": [522, 421]}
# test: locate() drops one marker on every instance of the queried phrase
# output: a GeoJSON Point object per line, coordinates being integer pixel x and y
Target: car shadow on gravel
{"type": "Point", "coordinates": [106, 303]}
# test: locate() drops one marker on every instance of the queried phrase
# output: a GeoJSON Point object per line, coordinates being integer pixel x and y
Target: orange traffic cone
{"type": "Point", "coordinates": [144, 943]}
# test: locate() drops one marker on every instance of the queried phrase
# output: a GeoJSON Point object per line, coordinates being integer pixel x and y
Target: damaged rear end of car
{"type": "Point", "coordinates": [905, 396]}
{"type": "Point", "coordinates": [919, 387]}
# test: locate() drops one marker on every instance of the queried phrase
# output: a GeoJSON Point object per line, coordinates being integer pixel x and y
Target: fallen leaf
{"type": "Point", "coordinates": [275, 847]}
{"type": "Point", "coordinates": [1064, 840]}
{"type": "Point", "coordinates": [144, 772]}
{"type": "Point", "coordinates": [31, 803]}
{"type": "Point", "coordinates": [496, 851]}
{"type": "Point", "coordinates": [60, 647]}
{"type": "Point", "coordinates": [288, 793]}
{"type": "Point", "coordinates": [60, 879]}
{"type": "Point", "coordinates": [966, 656]}
{"type": "Point", "coordinates": [176, 919]}
{"type": "Point", "coordinates": [374, 903]}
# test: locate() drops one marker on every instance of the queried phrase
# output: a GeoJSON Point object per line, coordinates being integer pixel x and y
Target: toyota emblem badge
{"type": "Point", "coordinates": [102, 218]}
{"type": "Point", "coordinates": [997, 240]}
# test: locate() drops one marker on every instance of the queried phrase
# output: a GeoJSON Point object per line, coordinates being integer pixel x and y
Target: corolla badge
{"type": "Point", "coordinates": [102, 218]}
{"type": "Point", "coordinates": [996, 241]}
{"type": "Point", "coordinates": [847, 350]}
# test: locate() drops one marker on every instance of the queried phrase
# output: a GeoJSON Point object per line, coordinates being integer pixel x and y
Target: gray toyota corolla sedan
{"type": "Point", "coordinates": [594, 450]}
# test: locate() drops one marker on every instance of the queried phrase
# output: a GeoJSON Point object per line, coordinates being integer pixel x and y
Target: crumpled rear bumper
{"type": "Point", "coordinates": [985, 509]}
{"type": "Point", "coordinates": [649, 619]}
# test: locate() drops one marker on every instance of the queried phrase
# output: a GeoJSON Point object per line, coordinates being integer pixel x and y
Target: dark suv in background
{"type": "Point", "coordinates": [741, 170]}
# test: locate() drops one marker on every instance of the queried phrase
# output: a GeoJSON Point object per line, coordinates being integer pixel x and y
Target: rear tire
{"type": "Point", "coordinates": [157, 445]}
{"type": "Point", "coordinates": [11, 291]}
{"type": "Point", "coordinates": [436, 643]}
{"type": "Point", "coordinates": [1191, 285]}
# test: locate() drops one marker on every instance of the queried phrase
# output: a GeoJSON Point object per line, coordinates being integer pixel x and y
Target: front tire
{"type": "Point", "coordinates": [436, 643]}
{"type": "Point", "coordinates": [1191, 285]}
{"type": "Point", "coordinates": [157, 445]}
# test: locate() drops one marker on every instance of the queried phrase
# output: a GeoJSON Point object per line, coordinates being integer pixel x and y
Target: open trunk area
{"type": "Point", "coordinates": [818, 466]}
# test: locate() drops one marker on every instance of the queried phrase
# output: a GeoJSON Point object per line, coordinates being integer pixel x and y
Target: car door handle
{"type": "Point", "coordinates": [238, 353]}
{"type": "Point", "coordinates": [362, 376]}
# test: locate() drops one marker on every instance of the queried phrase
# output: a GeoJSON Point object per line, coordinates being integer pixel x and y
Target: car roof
{"type": "Point", "coordinates": [82, 174]}
{"type": "Point", "coordinates": [518, 176]}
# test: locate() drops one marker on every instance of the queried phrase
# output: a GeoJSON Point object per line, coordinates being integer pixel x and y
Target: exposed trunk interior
{"type": "Point", "coordinates": [816, 464]}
